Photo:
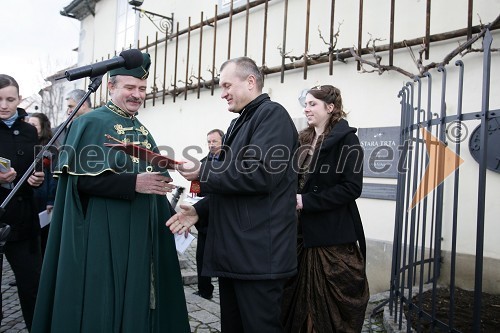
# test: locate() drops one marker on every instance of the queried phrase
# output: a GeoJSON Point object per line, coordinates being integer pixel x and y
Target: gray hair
{"type": "Point", "coordinates": [113, 80]}
{"type": "Point", "coordinates": [246, 67]}
{"type": "Point", "coordinates": [77, 95]}
{"type": "Point", "coordinates": [218, 131]}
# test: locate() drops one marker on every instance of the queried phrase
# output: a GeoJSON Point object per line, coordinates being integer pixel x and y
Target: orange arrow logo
{"type": "Point", "coordinates": [442, 163]}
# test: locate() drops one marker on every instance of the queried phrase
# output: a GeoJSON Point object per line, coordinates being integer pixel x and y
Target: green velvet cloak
{"type": "Point", "coordinates": [114, 269]}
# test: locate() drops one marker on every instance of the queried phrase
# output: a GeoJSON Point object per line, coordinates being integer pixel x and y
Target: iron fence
{"type": "Point", "coordinates": [432, 153]}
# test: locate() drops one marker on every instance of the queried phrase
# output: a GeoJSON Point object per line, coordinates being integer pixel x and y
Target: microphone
{"type": "Point", "coordinates": [129, 59]}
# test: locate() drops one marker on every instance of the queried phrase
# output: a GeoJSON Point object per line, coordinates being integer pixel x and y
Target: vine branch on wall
{"type": "Point", "coordinates": [462, 49]}
{"type": "Point", "coordinates": [372, 49]}
{"type": "Point", "coordinates": [316, 56]}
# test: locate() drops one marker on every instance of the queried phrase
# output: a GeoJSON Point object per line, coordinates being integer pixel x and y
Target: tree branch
{"type": "Point", "coordinates": [462, 49]}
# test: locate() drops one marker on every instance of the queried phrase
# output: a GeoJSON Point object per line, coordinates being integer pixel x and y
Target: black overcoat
{"type": "Point", "coordinates": [21, 213]}
{"type": "Point", "coordinates": [330, 215]}
{"type": "Point", "coordinates": [252, 221]}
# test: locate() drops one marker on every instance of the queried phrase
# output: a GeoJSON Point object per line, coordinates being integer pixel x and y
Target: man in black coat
{"type": "Point", "coordinates": [205, 286]}
{"type": "Point", "coordinates": [251, 205]}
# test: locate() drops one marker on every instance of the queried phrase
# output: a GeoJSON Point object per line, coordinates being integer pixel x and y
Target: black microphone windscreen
{"type": "Point", "coordinates": [133, 58]}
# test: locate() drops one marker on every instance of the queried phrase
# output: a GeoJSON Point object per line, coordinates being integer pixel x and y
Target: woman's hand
{"type": "Point", "coordinates": [8, 177]}
{"type": "Point", "coordinates": [36, 179]}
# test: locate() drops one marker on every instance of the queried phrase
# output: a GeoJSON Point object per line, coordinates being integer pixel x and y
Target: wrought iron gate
{"type": "Point", "coordinates": [422, 201]}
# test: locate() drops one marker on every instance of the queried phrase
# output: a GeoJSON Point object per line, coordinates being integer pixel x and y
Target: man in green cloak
{"type": "Point", "coordinates": [110, 263]}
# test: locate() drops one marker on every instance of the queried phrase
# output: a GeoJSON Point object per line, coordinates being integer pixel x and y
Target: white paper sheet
{"type": "Point", "coordinates": [44, 218]}
{"type": "Point", "coordinates": [182, 242]}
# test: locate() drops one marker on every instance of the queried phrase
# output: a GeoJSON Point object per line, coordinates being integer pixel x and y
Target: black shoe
{"type": "Point", "coordinates": [209, 297]}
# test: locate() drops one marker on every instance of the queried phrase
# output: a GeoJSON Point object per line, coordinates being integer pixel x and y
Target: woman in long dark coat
{"type": "Point", "coordinates": [330, 291]}
{"type": "Point", "coordinates": [22, 250]}
{"type": "Point", "coordinates": [45, 195]}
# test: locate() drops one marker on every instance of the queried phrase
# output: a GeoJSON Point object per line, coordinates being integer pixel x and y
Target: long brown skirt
{"type": "Point", "coordinates": [329, 293]}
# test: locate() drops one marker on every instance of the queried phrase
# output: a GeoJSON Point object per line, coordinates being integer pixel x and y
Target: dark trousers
{"type": "Point", "coordinates": [250, 306]}
{"type": "Point", "coordinates": [205, 287]}
{"type": "Point", "coordinates": [25, 259]}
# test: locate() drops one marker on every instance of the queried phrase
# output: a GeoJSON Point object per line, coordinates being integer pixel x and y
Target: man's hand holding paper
{"type": "Point", "coordinates": [189, 170]}
{"type": "Point", "coordinates": [153, 183]}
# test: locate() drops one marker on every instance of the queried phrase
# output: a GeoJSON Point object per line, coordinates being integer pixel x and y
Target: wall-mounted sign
{"type": "Point", "coordinates": [493, 145]}
{"type": "Point", "coordinates": [382, 151]}
{"type": "Point", "coordinates": [379, 191]}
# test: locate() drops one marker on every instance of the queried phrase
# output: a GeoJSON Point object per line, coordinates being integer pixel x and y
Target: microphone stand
{"type": "Point", "coordinates": [95, 82]}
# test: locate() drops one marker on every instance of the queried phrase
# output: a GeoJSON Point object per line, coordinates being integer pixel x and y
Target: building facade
{"type": "Point", "coordinates": [301, 44]}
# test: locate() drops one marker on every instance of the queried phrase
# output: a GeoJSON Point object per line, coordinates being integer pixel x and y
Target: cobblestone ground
{"type": "Point", "coordinates": [13, 318]}
{"type": "Point", "coordinates": [204, 315]}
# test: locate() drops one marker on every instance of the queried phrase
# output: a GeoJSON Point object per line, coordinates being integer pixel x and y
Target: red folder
{"type": "Point", "coordinates": [195, 187]}
{"type": "Point", "coordinates": [144, 154]}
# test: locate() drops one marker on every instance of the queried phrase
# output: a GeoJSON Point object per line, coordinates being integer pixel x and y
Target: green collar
{"type": "Point", "coordinates": [116, 109]}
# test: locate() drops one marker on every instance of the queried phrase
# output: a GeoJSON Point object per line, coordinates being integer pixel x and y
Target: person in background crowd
{"type": "Point", "coordinates": [45, 194]}
{"type": "Point", "coordinates": [111, 264]}
{"type": "Point", "coordinates": [72, 99]}
{"type": "Point", "coordinates": [250, 206]}
{"type": "Point", "coordinates": [22, 250]}
{"type": "Point", "coordinates": [205, 286]}
{"type": "Point", "coordinates": [330, 292]}
{"type": "Point", "coordinates": [22, 114]}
